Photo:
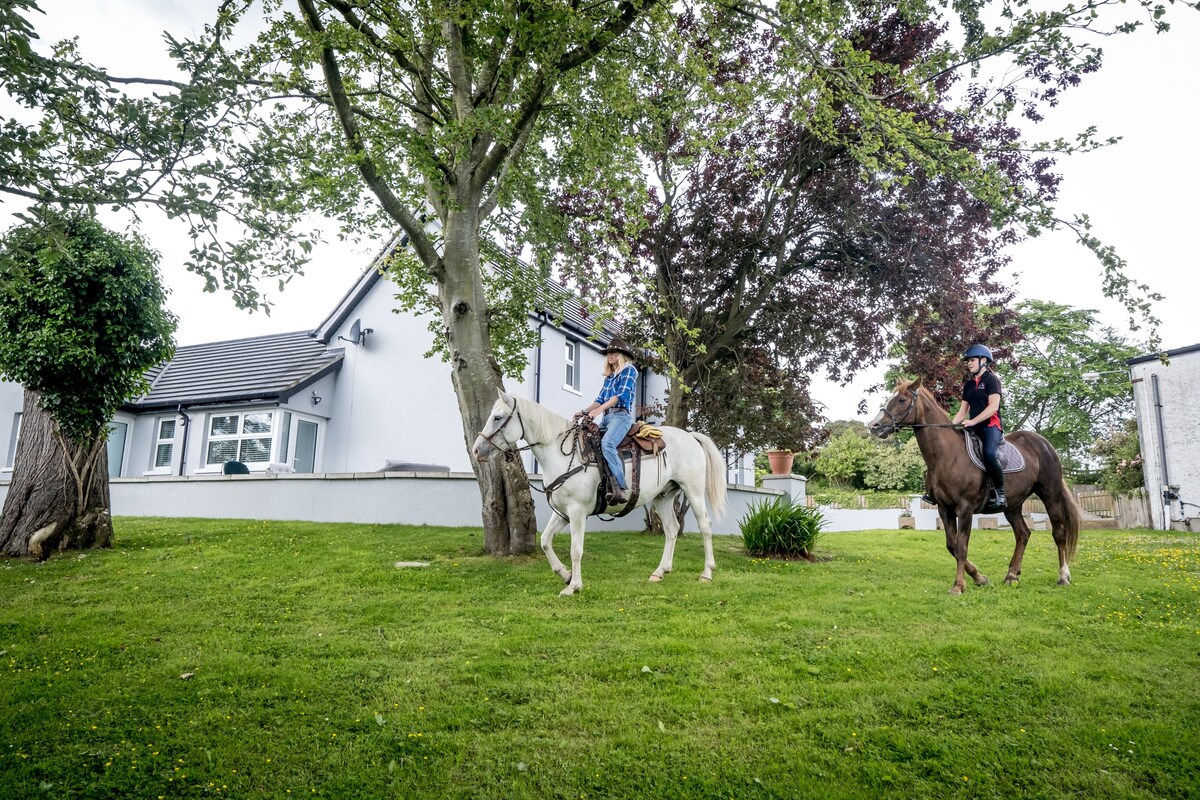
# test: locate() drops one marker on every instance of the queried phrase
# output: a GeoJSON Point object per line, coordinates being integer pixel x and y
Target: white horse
{"type": "Point", "coordinates": [691, 464]}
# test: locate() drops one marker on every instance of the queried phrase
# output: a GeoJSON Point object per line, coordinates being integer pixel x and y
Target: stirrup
{"type": "Point", "coordinates": [996, 503]}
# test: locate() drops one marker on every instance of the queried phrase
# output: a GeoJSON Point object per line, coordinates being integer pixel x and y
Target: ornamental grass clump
{"type": "Point", "coordinates": [780, 528]}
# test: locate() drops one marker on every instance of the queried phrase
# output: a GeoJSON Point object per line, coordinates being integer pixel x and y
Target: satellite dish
{"type": "Point", "coordinates": [356, 334]}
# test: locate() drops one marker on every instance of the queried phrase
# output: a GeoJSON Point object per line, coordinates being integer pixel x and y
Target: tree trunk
{"type": "Point", "coordinates": [678, 405]}
{"type": "Point", "coordinates": [509, 524]}
{"type": "Point", "coordinates": [58, 498]}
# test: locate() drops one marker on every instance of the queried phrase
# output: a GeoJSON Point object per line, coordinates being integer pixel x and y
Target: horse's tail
{"type": "Point", "coordinates": [1073, 520]}
{"type": "Point", "coordinates": [715, 483]}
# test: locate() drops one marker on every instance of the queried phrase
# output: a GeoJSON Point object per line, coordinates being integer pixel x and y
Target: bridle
{"type": "Point", "coordinates": [509, 452]}
{"type": "Point", "coordinates": [896, 421]}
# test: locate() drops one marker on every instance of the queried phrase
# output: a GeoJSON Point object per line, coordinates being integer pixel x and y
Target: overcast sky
{"type": "Point", "coordinates": [1141, 194]}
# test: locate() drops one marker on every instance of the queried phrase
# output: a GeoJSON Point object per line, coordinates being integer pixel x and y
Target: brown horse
{"type": "Point", "coordinates": [960, 487]}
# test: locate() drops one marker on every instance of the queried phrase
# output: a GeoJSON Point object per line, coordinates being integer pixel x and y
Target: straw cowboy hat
{"type": "Point", "coordinates": [618, 345]}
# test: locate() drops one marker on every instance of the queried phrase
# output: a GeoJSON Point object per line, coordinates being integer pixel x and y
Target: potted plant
{"type": "Point", "coordinates": [781, 461]}
{"type": "Point", "coordinates": [906, 519]}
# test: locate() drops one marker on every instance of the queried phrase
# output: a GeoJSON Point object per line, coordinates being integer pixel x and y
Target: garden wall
{"type": "Point", "coordinates": [408, 498]}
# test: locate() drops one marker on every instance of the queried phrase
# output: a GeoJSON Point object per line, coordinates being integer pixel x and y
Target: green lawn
{"type": "Point", "coordinates": [253, 659]}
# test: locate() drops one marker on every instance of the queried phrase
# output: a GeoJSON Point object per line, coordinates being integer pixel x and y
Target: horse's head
{"type": "Point", "coordinates": [502, 430]}
{"type": "Point", "coordinates": [900, 409]}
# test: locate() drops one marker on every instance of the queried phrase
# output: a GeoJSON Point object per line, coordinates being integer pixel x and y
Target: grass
{"type": "Point", "coordinates": [252, 659]}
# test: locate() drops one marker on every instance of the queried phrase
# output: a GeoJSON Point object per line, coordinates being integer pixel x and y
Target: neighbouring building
{"type": "Point", "coordinates": [1165, 397]}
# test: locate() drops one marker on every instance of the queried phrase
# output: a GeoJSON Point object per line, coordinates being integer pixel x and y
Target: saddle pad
{"type": "Point", "coordinates": [1011, 459]}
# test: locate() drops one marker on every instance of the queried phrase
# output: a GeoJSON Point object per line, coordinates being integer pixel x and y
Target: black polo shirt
{"type": "Point", "coordinates": [976, 391]}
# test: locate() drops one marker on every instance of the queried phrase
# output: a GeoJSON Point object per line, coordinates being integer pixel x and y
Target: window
{"type": "Point", "coordinates": [12, 441]}
{"type": "Point", "coordinates": [285, 432]}
{"type": "Point", "coordinates": [244, 437]}
{"type": "Point", "coordinates": [572, 357]}
{"type": "Point", "coordinates": [165, 443]}
{"type": "Point", "coordinates": [117, 432]}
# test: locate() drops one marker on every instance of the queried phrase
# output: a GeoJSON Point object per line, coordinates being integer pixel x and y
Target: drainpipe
{"type": "Point", "coordinates": [644, 380]}
{"type": "Point", "coordinates": [537, 368]}
{"type": "Point", "coordinates": [187, 423]}
{"type": "Point", "coordinates": [1168, 493]}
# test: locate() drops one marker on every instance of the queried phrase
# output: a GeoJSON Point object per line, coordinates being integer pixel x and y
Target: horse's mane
{"type": "Point", "coordinates": [927, 403]}
{"type": "Point", "coordinates": [541, 419]}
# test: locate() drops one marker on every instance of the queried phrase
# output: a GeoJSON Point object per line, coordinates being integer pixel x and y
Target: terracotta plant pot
{"type": "Point", "coordinates": [781, 461]}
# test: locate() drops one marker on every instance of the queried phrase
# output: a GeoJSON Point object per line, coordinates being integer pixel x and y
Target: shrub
{"type": "Point", "coordinates": [779, 527]}
{"type": "Point", "coordinates": [895, 469]}
{"type": "Point", "coordinates": [1122, 455]}
{"type": "Point", "coordinates": [843, 458]}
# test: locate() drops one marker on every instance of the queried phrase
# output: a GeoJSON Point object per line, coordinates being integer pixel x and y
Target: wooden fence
{"type": "Point", "coordinates": [1126, 511]}
{"type": "Point", "coordinates": [1132, 512]}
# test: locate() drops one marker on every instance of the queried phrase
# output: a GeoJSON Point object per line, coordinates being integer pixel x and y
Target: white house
{"type": "Point", "coordinates": [1165, 397]}
{"type": "Point", "coordinates": [354, 395]}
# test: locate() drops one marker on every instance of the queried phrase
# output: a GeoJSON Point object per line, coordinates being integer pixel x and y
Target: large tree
{"type": "Point", "coordinates": [764, 250]}
{"type": "Point", "coordinates": [82, 319]}
{"type": "Point", "coordinates": [431, 109]}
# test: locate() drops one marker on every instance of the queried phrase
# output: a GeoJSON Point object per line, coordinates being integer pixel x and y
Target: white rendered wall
{"type": "Point", "coordinates": [1178, 391]}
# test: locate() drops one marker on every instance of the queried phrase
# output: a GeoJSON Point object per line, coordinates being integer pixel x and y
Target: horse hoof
{"type": "Point", "coordinates": [655, 578]}
{"type": "Point", "coordinates": [570, 590]}
{"type": "Point", "coordinates": [955, 591]}
{"type": "Point", "coordinates": [1012, 580]}
{"type": "Point", "coordinates": [982, 580]}
{"type": "Point", "coordinates": [1064, 582]}
{"type": "Point", "coordinates": [706, 579]}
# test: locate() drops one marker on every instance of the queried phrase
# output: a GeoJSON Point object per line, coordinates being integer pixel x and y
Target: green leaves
{"type": "Point", "coordinates": [82, 318]}
{"type": "Point", "coordinates": [1044, 389]}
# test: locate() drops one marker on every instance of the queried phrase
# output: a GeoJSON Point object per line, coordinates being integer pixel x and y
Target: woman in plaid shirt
{"type": "Point", "coordinates": [615, 402]}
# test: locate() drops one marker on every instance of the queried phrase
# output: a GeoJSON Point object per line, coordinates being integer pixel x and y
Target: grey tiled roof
{"type": "Point", "coordinates": [259, 368]}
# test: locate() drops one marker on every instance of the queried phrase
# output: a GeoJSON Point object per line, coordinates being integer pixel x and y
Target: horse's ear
{"type": "Point", "coordinates": [505, 398]}
{"type": "Point", "coordinates": [915, 385]}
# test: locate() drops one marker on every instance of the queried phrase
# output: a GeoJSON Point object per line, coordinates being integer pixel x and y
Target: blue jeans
{"type": "Point", "coordinates": [615, 425]}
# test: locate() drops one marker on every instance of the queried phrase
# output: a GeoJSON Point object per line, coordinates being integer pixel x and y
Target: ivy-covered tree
{"type": "Point", "coordinates": [82, 318]}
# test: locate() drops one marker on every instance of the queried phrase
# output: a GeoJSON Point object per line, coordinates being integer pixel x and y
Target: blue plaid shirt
{"type": "Point", "coordinates": [622, 386]}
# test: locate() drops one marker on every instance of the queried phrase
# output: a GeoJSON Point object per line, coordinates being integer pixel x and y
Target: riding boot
{"type": "Point", "coordinates": [616, 495]}
{"type": "Point", "coordinates": [996, 472]}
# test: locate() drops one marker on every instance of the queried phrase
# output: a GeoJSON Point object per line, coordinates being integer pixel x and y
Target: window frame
{"type": "Point", "coordinates": [572, 355]}
{"type": "Point", "coordinates": [240, 413]}
{"type": "Point", "coordinates": [158, 441]}
{"type": "Point", "coordinates": [14, 440]}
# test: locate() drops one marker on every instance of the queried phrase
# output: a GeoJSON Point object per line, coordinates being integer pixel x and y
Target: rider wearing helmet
{"type": "Point", "coordinates": [980, 413]}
